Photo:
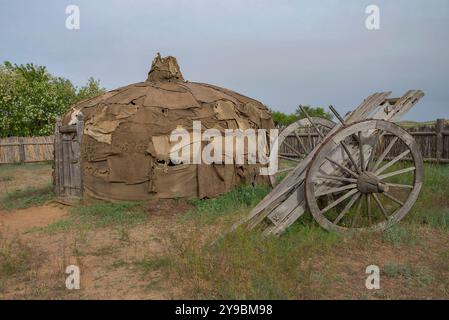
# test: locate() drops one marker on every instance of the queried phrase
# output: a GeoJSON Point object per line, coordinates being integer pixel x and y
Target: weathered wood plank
{"type": "Point", "coordinates": [439, 140]}
{"type": "Point", "coordinates": [283, 203]}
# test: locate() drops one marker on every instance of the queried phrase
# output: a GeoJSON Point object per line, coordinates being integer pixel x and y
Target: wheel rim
{"type": "Point", "coordinates": [304, 143]}
{"type": "Point", "coordinates": [366, 189]}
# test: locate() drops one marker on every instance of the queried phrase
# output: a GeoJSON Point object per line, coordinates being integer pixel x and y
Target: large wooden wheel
{"type": "Point", "coordinates": [297, 140]}
{"type": "Point", "coordinates": [354, 184]}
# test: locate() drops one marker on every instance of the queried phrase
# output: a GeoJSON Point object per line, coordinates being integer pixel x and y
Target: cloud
{"type": "Point", "coordinates": [281, 52]}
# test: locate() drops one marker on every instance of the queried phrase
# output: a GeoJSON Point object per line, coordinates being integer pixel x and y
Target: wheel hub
{"type": "Point", "coordinates": [368, 182]}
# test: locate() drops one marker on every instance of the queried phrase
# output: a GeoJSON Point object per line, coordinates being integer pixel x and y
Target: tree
{"type": "Point", "coordinates": [313, 112]}
{"type": "Point", "coordinates": [90, 90]}
{"type": "Point", "coordinates": [31, 98]}
{"type": "Point", "coordinates": [282, 120]}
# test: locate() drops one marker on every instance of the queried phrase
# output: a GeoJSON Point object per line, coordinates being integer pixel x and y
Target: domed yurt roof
{"type": "Point", "coordinates": [125, 146]}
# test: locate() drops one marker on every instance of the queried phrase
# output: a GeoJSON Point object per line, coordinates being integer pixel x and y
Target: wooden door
{"type": "Point", "coordinates": [68, 177]}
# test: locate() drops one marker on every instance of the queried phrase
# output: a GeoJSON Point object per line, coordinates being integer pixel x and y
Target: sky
{"type": "Point", "coordinates": [282, 53]}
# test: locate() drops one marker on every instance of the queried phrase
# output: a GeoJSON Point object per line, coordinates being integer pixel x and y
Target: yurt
{"type": "Point", "coordinates": [125, 144]}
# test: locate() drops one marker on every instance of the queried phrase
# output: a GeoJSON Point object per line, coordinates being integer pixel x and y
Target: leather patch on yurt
{"type": "Point", "coordinates": [175, 181]}
{"type": "Point", "coordinates": [121, 171]}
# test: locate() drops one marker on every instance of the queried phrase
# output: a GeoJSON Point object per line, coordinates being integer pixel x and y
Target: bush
{"type": "Point", "coordinates": [31, 98]}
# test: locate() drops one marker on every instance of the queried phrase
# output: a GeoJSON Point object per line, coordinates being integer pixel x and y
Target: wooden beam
{"type": "Point", "coordinates": [67, 129]}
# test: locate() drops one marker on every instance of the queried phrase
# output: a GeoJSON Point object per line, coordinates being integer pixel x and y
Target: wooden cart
{"type": "Point", "coordinates": [347, 178]}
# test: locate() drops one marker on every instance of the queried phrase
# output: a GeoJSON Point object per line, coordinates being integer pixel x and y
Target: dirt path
{"type": "Point", "coordinates": [19, 221]}
{"type": "Point", "coordinates": [109, 258]}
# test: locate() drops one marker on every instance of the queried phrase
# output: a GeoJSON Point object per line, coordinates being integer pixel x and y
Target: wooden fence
{"type": "Point", "coordinates": [26, 149]}
{"type": "Point", "coordinates": [432, 139]}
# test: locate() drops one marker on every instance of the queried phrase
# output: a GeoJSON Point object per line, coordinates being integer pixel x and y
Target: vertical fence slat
{"type": "Point", "coordinates": [79, 137]}
{"type": "Point", "coordinates": [439, 127]}
{"type": "Point", "coordinates": [432, 140]}
{"type": "Point", "coordinates": [58, 174]}
{"type": "Point", "coordinates": [22, 150]}
{"type": "Point", "coordinates": [26, 149]}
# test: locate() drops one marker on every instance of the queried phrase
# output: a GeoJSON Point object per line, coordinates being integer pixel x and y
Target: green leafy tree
{"type": "Point", "coordinates": [282, 119]}
{"type": "Point", "coordinates": [90, 90]}
{"type": "Point", "coordinates": [313, 112]}
{"type": "Point", "coordinates": [31, 98]}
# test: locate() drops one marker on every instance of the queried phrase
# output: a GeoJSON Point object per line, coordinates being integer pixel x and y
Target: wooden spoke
{"type": "Point", "coordinates": [347, 207]}
{"type": "Point", "coordinates": [362, 155]}
{"type": "Point", "coordinates": [391, 197]}
{"type": "Point", "coordinates": [384, 154]}
{"type": "Point", "coordinates": [373, 152]}
{"type": "Point", "coordinates": [339, 200]}
{"type": "Point", "coordinates": [311, 121]}
{"type": "Point", "coordinates": [352, 173]}
{"type": "Point", "coordinates": [301, 143]}
{"type": "Point", "coordinates": [392, 162]}
{"type": "Point", "coordinates": [341, 179]}
{"type": "Point", "coordinates": [357, 213]}
{"type": "Point", "coordinates": [288, 147]}
{"type": "Point", "coordinates": [368, 205]}
{"type": "Point", "coordinates": [395, 173]}
{"type": "Point", "coordinates": [379, 204]}
{"type": "Point", "coordinates": [358, 145]}
{"type": "Point", "coordinates": [335, 190]}
{"type": "Point", "coordinates": [398, 185]}
{"type": "Point", "coordinates": [351, 158]}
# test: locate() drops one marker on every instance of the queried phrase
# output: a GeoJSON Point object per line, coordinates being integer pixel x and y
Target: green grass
{"type": "Point", "coordinates": [209, 210]}
{"type": "Point", "coordinates": [432, 206]}
{"type": "Point", "coordinates": [5, 178]}
{"type": "Point", "coordinates": [15, 257]}
{"type": "Point", "coordinates": [7, 169]}
{"type": "Point", "coordinates": [244, 265]}
{"type": "Point", "coordinates": [423, 276]}
{"type": "Point", "coordinates": [399, 235]}
{"type": "Point", "coordinates": [27, 198]}
{"type": "Point", "coordinates": [153, 264]}
{"type": "Point", "coordinates": [104, 214]}
{"type": "Point", "coordinates": [123, 215]}
{"type": "Point", "coordinates": [438, 220]}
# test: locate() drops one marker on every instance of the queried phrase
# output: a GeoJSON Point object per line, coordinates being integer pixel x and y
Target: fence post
{"type": "Point", "coordinates": [21, 150]}
{"type": "Point", "coordinates": [58, 174]}
{"type": "Point", "coordinates": [79, 137]}
{"type": "Point", "coordinates": [439, 127]}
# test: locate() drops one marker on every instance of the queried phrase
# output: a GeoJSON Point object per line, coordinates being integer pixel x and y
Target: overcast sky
{"type": "Point", "coordinates": [283, 53]}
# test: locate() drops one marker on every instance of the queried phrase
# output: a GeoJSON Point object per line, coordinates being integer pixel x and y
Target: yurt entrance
{"type": "Point", "coordinates": [68, 178]}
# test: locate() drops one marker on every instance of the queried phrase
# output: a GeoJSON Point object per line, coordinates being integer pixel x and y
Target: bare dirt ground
{"type": "Point", "coordinates": [20, 221]}
{"type": "Point", "coordinates": [102, 256]}
{"type": "Point", "coordinates": [129, 262]}
{"type": "Point", "coordinates": [110, 264]}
